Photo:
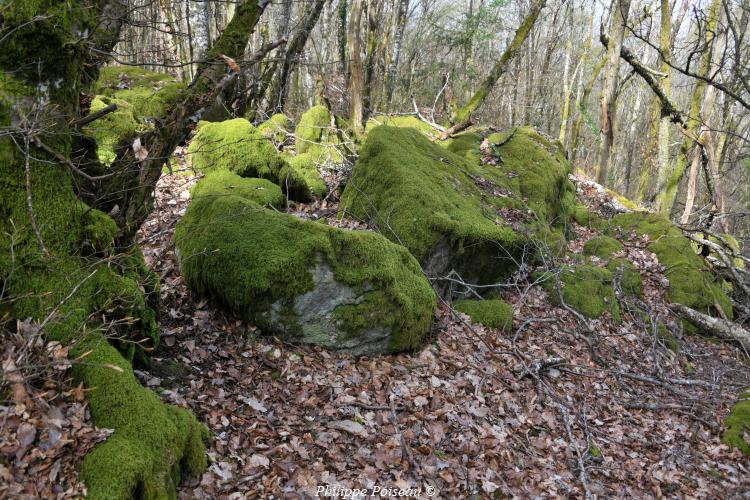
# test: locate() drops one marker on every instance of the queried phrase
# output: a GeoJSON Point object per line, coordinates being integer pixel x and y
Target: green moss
{"type": "Point", "coordinates": [403, 121]}
{"type": "Point", "coordinates": [632, 283]}
{"type": "Point", "coordinates": [113, 129]}
{"type": "Point", "coordinates": [150, 94]}
{"type": "Point", "coordinates": [602, 246]}
{"type": "Point", "coordinates": [225, 183]}
{"type": "Point", "coordinates": [275, 128]}
{"type": "Point", "coordinates": [90, 296]}
{"type": "Point", "coordinates": [493, 313]}
{"type": "Point", "coordinates": [465, 145]}
{"type": "Point", "coordinates": [248, 259]}
{"type": "Point", "coordinates": [312, 130]}
{"type": "Point", "coordinates": [585, 218]}
{"type": "Point", "coordinates": [537, 173]}
{"type": "Point", "coordinates": [737, 425]}
{"type": "Point", "coordinates": [234, 145]}
{"type": "Point", "coordinates": [437, 203]}
{"type": "Point", "coordinates": [690, 281]}
{"type": "Point", "coordinates": [152, 444]}
{"type": "Point", "coordinates": [303, 170]}
{"type": "Point", "coordinates": [587, 289]}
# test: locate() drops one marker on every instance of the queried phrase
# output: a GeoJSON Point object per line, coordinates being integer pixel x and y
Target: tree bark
{"type": "Point", "coordinates": [399, 27]}
{"type": "Point", "coordinates": [717, 327]}
{"type": "Point", "coordinates": [279, 87]}
{"type": "Point", "coordinates": [356, 78]}
{"type": "Point", "coordinates": [461, 118]}
{"type": "Point", "coordinates": [608, 104]}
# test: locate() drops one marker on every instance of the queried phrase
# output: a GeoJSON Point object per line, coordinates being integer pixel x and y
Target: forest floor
{"type": "Point", "coordinates": [474, 411]}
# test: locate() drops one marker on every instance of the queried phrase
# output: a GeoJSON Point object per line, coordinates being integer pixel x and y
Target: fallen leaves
{"type": "Point", "coordinates": [456, 415]}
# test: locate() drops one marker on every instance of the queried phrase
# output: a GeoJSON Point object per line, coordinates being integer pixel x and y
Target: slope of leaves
{"type": "Point", "coordinates": [556, 408]}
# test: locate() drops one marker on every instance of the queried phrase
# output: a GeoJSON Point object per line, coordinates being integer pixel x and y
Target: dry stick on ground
{"type": "Point", "coordinates": [582, 476]}
{"type": "Point", "coordinates": [718, 327]}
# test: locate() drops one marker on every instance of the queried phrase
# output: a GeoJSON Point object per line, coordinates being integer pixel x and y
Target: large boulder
{"type": "Point", "coordinates": [348, 291]}
{"type": "Point", "coordinates": [462, 219]}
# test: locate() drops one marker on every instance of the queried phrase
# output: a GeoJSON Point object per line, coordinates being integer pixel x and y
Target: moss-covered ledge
{"type": "Point", "coordinates": [737, 424]}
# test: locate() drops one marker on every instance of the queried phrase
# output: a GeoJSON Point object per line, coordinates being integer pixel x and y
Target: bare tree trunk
{"type": "Point", "coordinates": [374, 11]}
{"type": "Point", "coordinates": [279, 87]}
{"type": "Point", "coordinates": [582, 106]}
{"type": "Point", "coordinates": [399, 25]}
{"type": "Point", "coordinates": [667, 193]}
{"type": "Point", "coordinates": [356, 78]}
{"type": "Point", "coordinates": [608, 104]}
{"type": "Point", "coordinates": [462, 117]}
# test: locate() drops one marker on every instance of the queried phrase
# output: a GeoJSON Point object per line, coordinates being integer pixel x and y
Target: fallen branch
{"type": "Point", "coordinates": [422, 117]}
{"type": "Point", "coordinates": [717, 327]}
{"type": "Point", "coordinates": [93, 116]}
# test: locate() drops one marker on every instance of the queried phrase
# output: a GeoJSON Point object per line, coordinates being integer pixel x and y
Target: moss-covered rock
{"type": "Point", "coordinates": [275, 128]}
{"type": "Point", "coordinates": [349, 291]}
{"type": "Point", "coordinates": [586, 218]}
{"type": "Point", "coordinates": [303, 168]}
{"type": "Point", "coordinates": [691, 283]}
{"type": "Point", "coordinates": [236, 146]}
{"type": "Point", "coordinates": [737, 425]}
{"type": "Point", "coordinates": [465, 145]}
{"type": "Point", "coordinates": [493, 313]}
{"type": "Point", "coordinates": [312, 130]}
{"type": "Point", "coordinates": [149, 93]}
{"type": "Point", "coordinates": [602, 246]}
{"type": "Point", "coordinates": [224, 183]}
{"type": "Point", "coordinates": [587, 289]}
{"type": "Point", "coordinates": [401, 121]}
{"type": "Point", "coordinates": [450, 212]}
{"type": "Point", "coordinates": [141, 96]}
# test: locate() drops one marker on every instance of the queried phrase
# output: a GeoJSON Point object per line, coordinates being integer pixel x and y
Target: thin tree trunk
{"type": "Point", "coordinates": [374, 9]}
{"type": "Point", "coordinates": [462, 117]}
{"type": "Point", "coordinates": [279, 88]}
{"type": "Point", "coordinates": [399, 25]}
{"type": "Point", "coordinates": [583, 108]}
{"type": "Point", "coordinates": [669, 191]}
{"type": "Point", "coordinates": [608, 103]}
{"type": "Point", "coordinates": [356, 78]}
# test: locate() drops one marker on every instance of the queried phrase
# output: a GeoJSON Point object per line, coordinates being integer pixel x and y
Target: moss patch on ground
{"type": "Point", "coordinates": [257, 263]}
{"type": "Point", "coordinates": [737, 425]}
{"type": "Point", "coordinates": [691, 283]}
{"type": "Point", "coordinates": [602, 246]}
{"type": "Point", "coordinates": [587, 289]}
{"type": "Point", "coordinates": [493, 313]}
{"type": "Point", "coordinates": [586, 218]}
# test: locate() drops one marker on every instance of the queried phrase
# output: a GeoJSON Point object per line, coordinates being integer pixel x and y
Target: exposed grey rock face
{"type": "Point", "coordinates": [311, 318]}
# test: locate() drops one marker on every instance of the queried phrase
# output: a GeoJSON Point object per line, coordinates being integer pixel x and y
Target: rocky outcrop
{"type": "Point", "coordinates": [464, 220]}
